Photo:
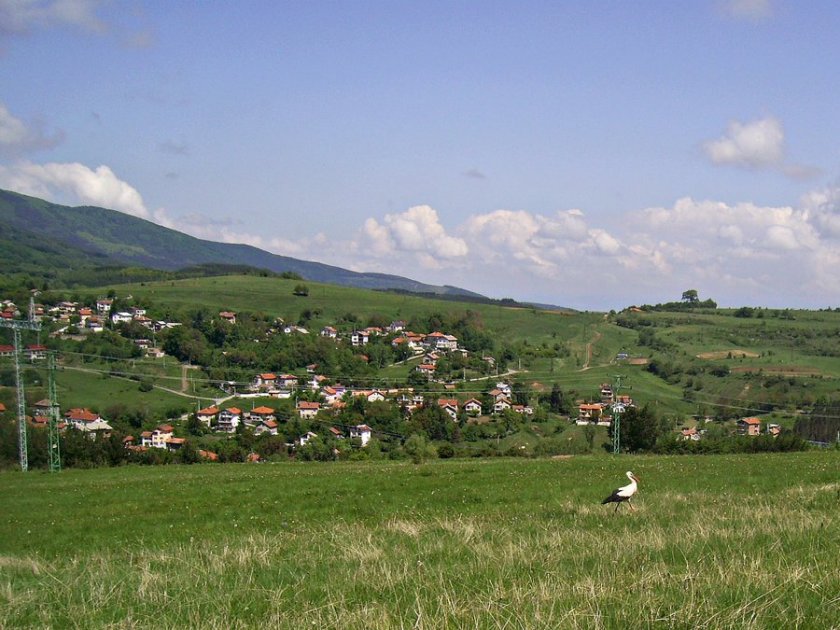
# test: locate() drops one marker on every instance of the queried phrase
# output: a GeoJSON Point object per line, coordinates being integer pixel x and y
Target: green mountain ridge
{"type": "Point", "coordinates": [37, 233]}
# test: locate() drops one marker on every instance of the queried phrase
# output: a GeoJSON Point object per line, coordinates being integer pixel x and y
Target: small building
{"type": "Point", "coordinates": [229, 419]}
{"type": "Point", "coordinates": [307, 409]}
{"type": "Point", "coordinates": [472, 407]}
{"type": "Point", "coordinates": [207, 415]}
{"type": "Point", "coordinates": [303, 439]}
{"type": "Point", "coordinates": [749, 426]}
{"type": "Point", "coordinates": [260, 414]}
{"type": "Point", "coordinates": [266, 426]}
{"type": "Point", "coordinates": [363, 432]}
{"type": "Point", "coordinates": [501, 405]}
{"type": "Point", "coordinates": [590, 413]}
{"type": "Point", "coordinates": [450, 406]}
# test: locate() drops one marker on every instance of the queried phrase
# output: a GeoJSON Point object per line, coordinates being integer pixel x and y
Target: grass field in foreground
{"type": "Point", "coordinates": [715, 541]}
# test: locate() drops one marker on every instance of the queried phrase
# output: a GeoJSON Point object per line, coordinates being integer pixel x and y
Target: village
{"type": "Point", "coordinates": [307, 396]}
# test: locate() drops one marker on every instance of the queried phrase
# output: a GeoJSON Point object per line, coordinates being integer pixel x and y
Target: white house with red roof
{"type": "Point", "coordinates": [88, 422]}
{"type": "Point", "coordinates": [501, 404]}
{"type": "Point", "coordinates": [229, 419]}
{"type": "Point", "coordinates": [472, 407]}
{"type": "Point", "coordinates": [589, 413]}
{"type": "Point", "coordinates": [207, 415]}
{"type": "Point", "coordinates": [266, 380]}
{"type": "Point", "coordinates": [450, 406]}
{"type": "Point", "coordinates": [440, 341]}
{"type": "Point", "coordinates": [36, 352]}
{"type": "Point", "coordinates": [266, 426]}
{"type": "Point", "coordinates": [259, 414]}
{"type": "Point", "coordinates": [307, 409]}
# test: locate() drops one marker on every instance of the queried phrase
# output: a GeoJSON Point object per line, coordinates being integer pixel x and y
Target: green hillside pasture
{"type": "Point", "coordinates": [807, 344]}
{"type": "Point", "coordinates": [715, 542]}
{"type": "Point", "coordinates": [274, 296]}
{"type": "Point", "coordinates": [94, 388]}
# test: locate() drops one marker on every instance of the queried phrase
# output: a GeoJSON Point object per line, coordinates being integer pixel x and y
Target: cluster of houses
{"type": "Point", "coordinates": [601, 412]}
{"type": "Point", "coordinates": [87, 319]}
{"type": "Point", "coordinates": [335, 396]}
{"type": "Point", "coordinates": [745, 426]}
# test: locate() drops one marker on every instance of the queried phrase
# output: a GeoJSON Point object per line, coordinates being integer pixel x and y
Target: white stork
{"type": "Point", "coordinates": [624, 493]}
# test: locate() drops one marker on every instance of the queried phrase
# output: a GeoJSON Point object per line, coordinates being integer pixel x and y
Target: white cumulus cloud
{"type": "Point", "coordinates": [756, 144]}
{"type": "Point", "coordinates": [416, 231]}
{"type": "Point", "coordinates": [74, 183]}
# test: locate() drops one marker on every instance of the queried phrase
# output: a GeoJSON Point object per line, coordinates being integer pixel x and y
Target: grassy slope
{"type": "Point", "coordinates": [590, 338]}
{"type": "Point", "coordinates": [715, 542]}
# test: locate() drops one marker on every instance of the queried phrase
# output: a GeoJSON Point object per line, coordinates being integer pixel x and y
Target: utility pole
{"type": "Point", "coordinates": [17, 326]}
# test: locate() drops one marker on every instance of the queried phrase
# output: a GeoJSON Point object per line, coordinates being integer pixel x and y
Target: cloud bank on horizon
{"type": "Point", "coordinates": [735, 251]}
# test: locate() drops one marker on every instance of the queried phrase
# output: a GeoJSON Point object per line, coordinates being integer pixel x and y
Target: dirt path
{"type": "Point", "coordinates": [589, 345]}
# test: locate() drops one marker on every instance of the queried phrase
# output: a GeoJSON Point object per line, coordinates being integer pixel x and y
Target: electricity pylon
{"type": "Point", "coordinates": [54, 454]}
{"type": "Point", "coordinates": [617, 409]}
{"type": "Point", "coordinates": [17, 326]}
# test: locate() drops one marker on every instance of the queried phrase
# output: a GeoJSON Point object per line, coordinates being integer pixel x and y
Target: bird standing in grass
{"type": "Point", "coordinates": [624, 493]}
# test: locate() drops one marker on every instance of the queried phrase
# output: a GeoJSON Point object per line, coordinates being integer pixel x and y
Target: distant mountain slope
{"type": "Point", "coordinates": [111, 237]}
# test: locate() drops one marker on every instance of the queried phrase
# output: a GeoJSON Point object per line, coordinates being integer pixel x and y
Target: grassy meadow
{"type": "Point", "coordinates": [715, 542]}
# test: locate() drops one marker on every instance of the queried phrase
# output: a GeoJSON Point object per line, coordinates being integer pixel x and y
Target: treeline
{"type": "Point", "coordinates": [91, 275]}
{"type": "Point", "coordinates": [786, 441]}
{"type": "Point", "coordinates": [822, 425]}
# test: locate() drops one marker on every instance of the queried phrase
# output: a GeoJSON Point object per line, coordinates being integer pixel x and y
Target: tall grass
{"type": "Point", "coordinates": [715, 542]}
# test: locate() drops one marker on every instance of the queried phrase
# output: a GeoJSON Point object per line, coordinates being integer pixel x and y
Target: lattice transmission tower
{"type": "Point", "coordinates": [54, 449]}
{"type": "Point", "coordinates": [17, 326]}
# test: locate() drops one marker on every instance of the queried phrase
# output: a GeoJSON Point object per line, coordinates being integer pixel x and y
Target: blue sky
{"type": "Point", "coordinates": [592, 155]}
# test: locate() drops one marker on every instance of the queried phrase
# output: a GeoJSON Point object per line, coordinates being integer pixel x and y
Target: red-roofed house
{"type": "Point", "coordinates": [158, 437]}
{"type": "Point", "coordinates": [207, 415]}
{"type": "Point", "coordinates": [472, 407]}
{"type": "Point", "coordinates": [589, 413]}
{"type": "Point", "coordinates": [749, 426]}
{"type": "Point", "coordinates": [501, 405]}
{"type": "Point", "coordinates": [439, 341]}
{"type": "Point", "coordinates": [259, 414]}
{"type": "Point", "coordinates": [36, 352]}
{"type": "Point", "coordinates": [175, 444]}
{"type": "Point", "coordinates": [450, 406]}
{"type": "Point", "coordinates": [88, 422]}
{"type": "Point", "coordinates": [307, 409]}
{"type": "Point", "coordinates": [229, 419]}
{"type": "Point", "coordinates": [267, 380]}
{"type": "Point", "coordinates": [266, 426]}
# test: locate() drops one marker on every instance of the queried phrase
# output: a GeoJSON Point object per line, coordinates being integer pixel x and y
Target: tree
{"type": "Point", "coordinates": [419, 449]}
{"type": "Point", "coordinates": [640, 428]}
{"type": "Point", "coordinates": [301, 290]}
{"type": "Point", "coordinates": [691, 296]}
